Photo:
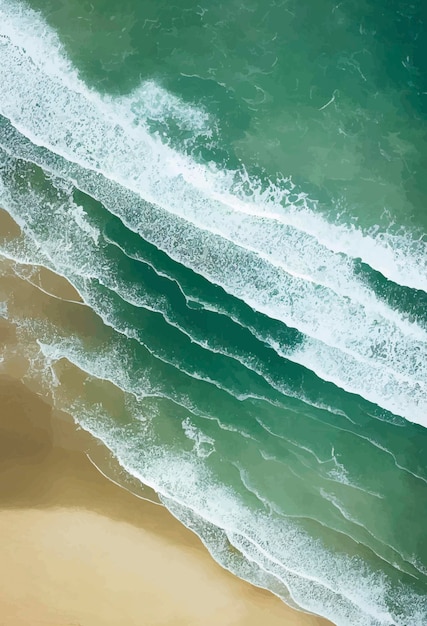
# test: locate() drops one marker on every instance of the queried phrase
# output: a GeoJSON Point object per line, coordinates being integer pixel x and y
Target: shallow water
{"type": "Point", "coordinates": [237, 194]}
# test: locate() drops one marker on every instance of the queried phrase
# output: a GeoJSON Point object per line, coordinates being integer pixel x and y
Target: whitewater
{"type": "Point", "coordinates": [229, 304]}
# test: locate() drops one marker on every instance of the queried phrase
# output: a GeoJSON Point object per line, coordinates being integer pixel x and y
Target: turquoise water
{"type": "Point", "coordinates": [238, 193]}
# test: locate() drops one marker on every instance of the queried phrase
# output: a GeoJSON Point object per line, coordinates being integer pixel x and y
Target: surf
{"type": "Point", "coordinates": [272, 380]}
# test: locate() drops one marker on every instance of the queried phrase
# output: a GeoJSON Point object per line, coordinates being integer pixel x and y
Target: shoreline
{"type": "Point", "coordinates": [78, 549]}
{"type": "Point", "coordinates": [83, 543]}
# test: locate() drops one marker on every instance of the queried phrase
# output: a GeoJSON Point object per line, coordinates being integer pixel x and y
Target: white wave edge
{"type": "Point", "coordinates": [46, 54]}
{"type": "Point", "coordinates": [28, 31]}
{"type": "Point", "coordinates": [405, 400]}
{"type": "Point", "coordinates": [180, 471]}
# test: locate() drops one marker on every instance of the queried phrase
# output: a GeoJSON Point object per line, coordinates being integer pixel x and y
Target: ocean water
{"type": "Point", "coordinates": [238, 192]}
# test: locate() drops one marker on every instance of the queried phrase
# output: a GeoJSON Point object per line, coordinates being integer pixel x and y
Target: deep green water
{"type": "Point", "coordinates": [237, 190]}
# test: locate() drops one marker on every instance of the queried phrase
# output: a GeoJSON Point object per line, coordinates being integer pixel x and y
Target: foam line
{"type": "Point", "coordinates": [104, 308]}
{"type": "Point", "coordinates": [326, 587]}
{"type": "Point", "coordinates": [177, 188]}
{"type": "Point", "coordinates": [404, 361]}
{"type": "Point", "coordinates": [27, 31]}
{"type": "Point", "coordinates": [397, 391]}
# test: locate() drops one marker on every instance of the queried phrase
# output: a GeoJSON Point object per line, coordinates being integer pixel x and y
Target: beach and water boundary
{"type": "Point", "coordinates": [78, 548]}
{"type": "Point", "coordinates": [250, 344]}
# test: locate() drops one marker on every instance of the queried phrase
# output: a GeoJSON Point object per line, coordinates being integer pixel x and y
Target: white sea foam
{"type": "Point", "coordinates": [198, 194]}
{"type": "Point", "coordinates": [278, 554]}
{"type": "Point", "coordinates": [32, 40]}
{"type": "Point", "coordinates": [234, 242]}
{"type": "Point", "coordinates": [203, 444]}
{"type": "Point", "coordinates": [79, 216]}
{"type": "Point", "coordinates": [3, 309]}
{"type": "Point", "coordinates": [343, 369]}
{"type": "Point", "coordinates": [71, 254]}
{"type": "Point", "coordinates": [298, 282]}
{"type": "Point", "coordinates": [68, 251]}
{"type": "Point", "coordinates": [150, 101]}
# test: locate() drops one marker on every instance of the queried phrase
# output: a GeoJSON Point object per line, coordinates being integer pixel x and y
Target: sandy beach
{"type": "Point", "coordinates": [78, 550]}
